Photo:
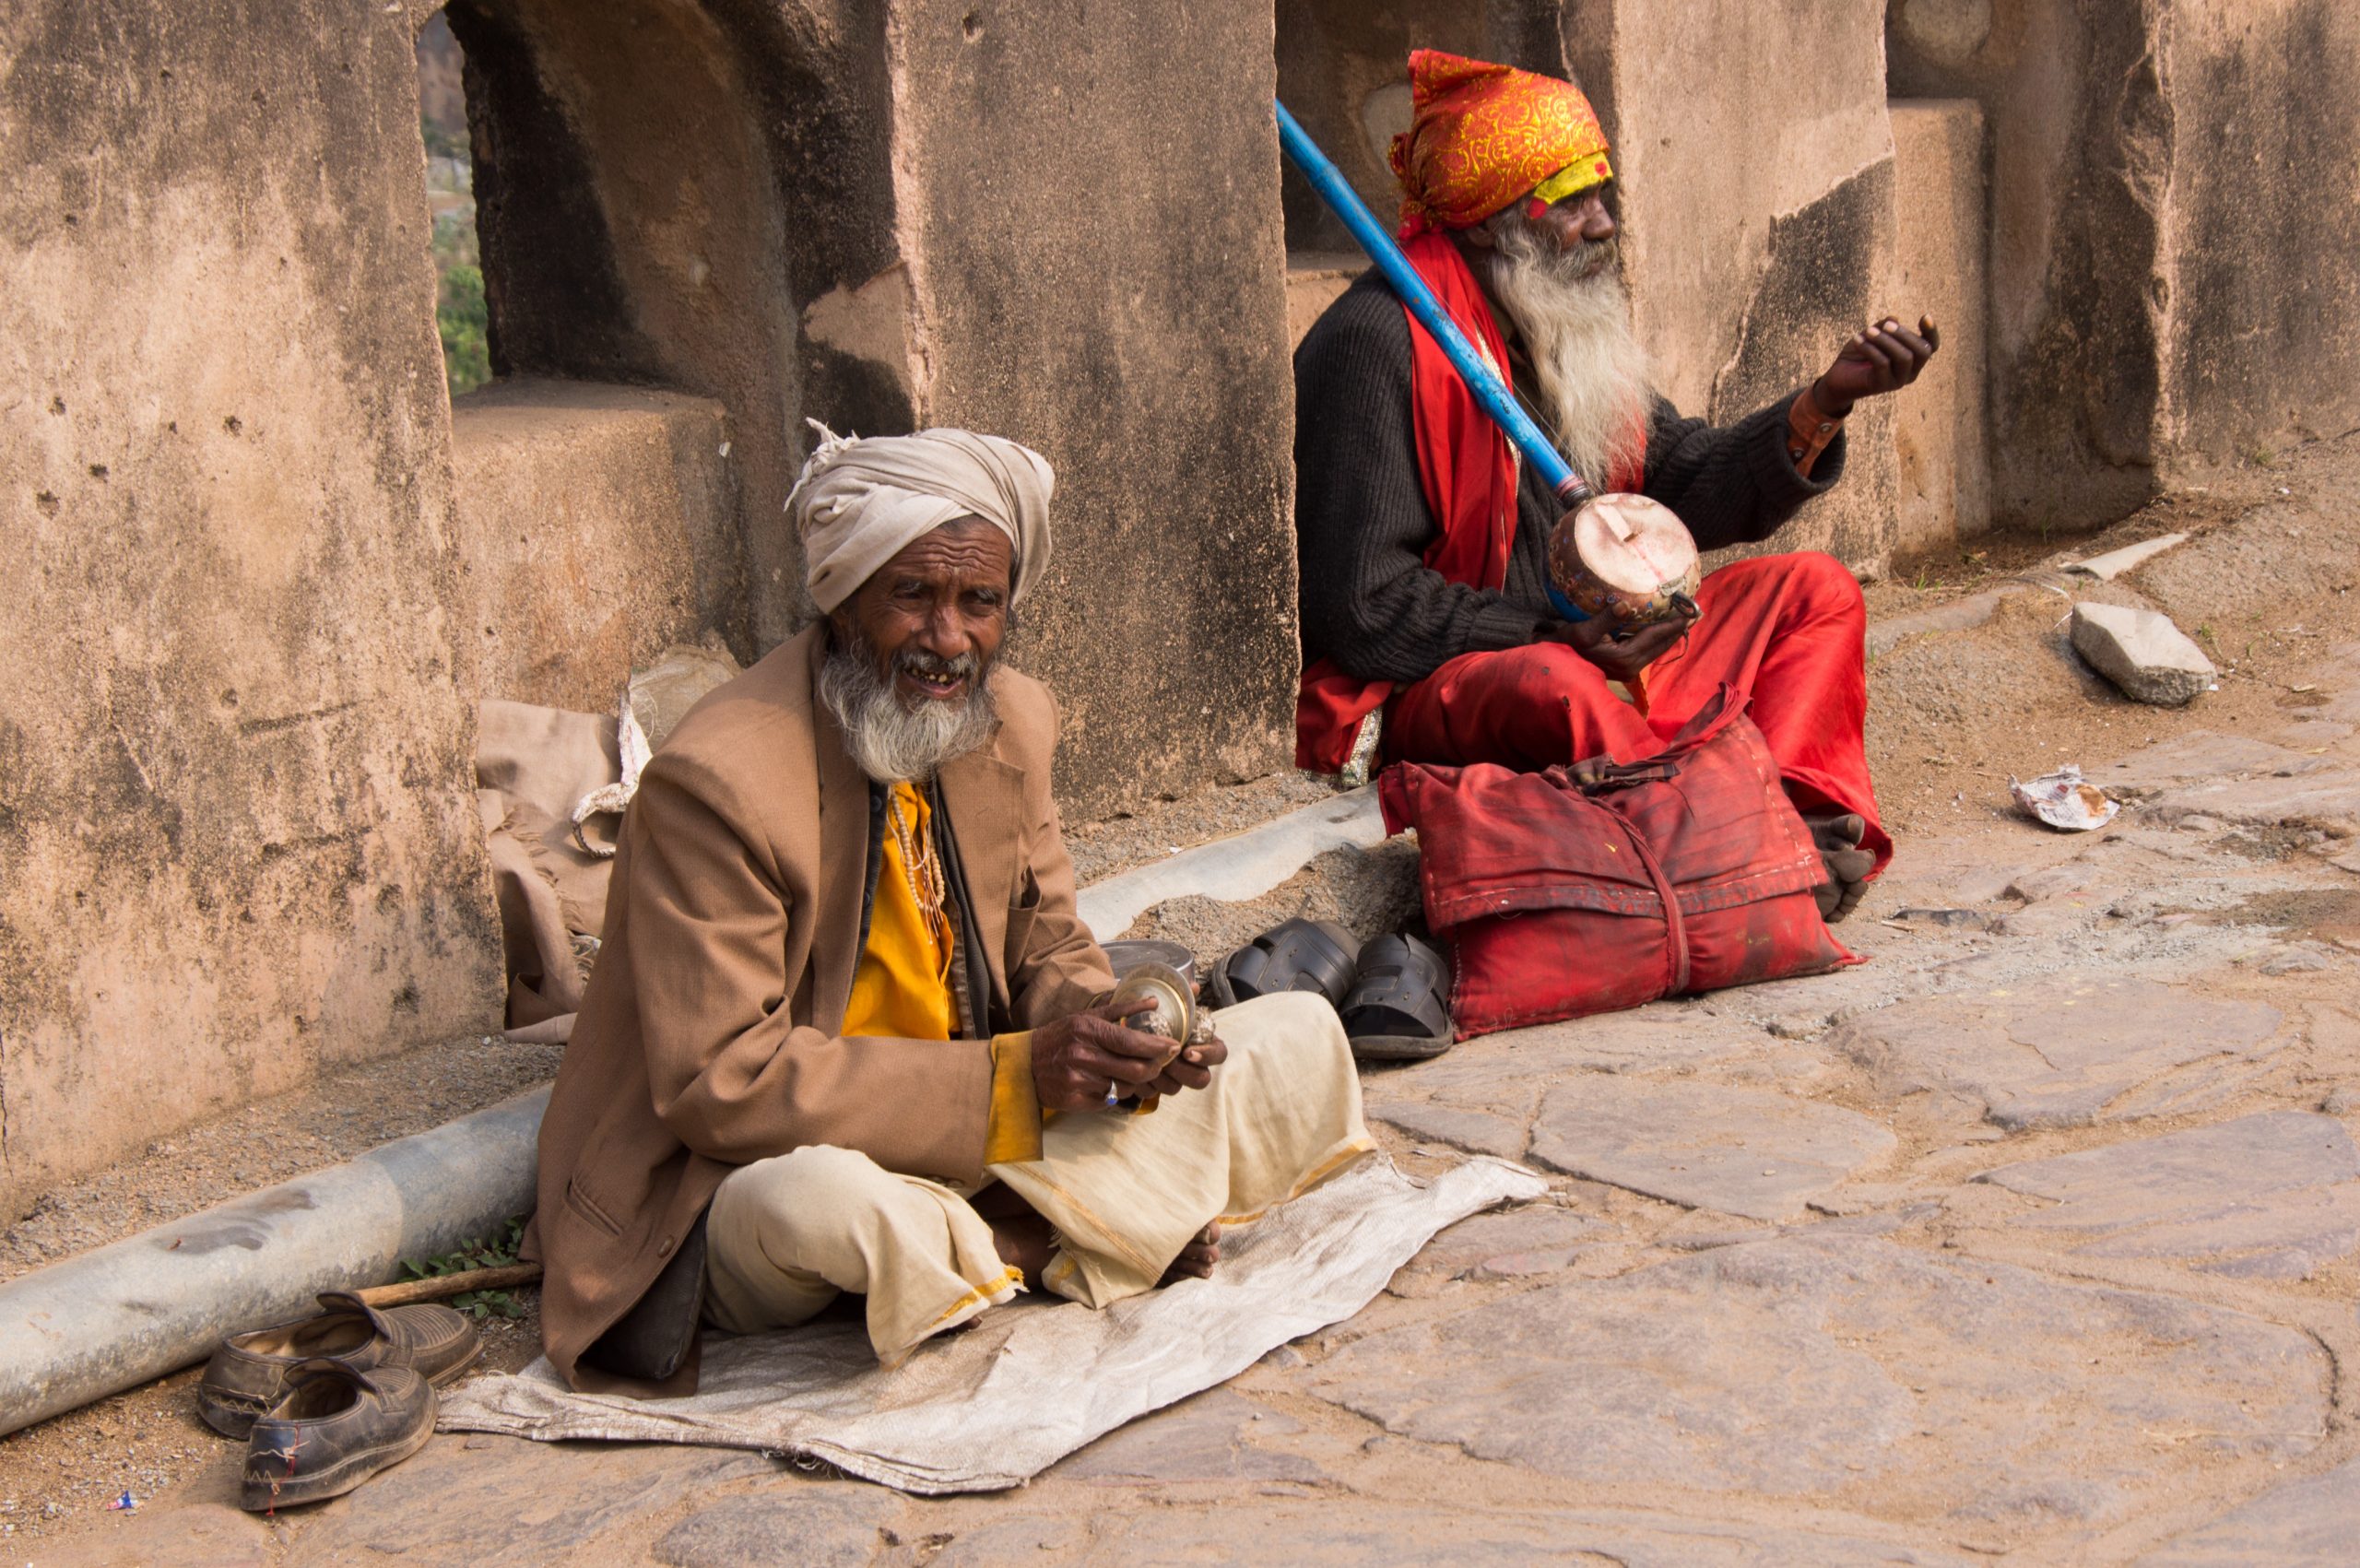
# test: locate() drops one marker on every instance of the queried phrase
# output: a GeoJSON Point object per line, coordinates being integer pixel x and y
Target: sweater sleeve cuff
{"type": "Point", "coordinates": [1498, 627]}
{"type": "Point", "coordinates": [1012, 1130]}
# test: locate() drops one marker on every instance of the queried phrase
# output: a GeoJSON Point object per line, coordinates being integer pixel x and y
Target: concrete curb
{"type": "Point", "coordinates": [97, 1324]}
{"type": "Point", "coordinates": [1235, 870]}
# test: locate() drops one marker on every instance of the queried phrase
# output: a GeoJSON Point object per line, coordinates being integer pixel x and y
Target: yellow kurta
{"type": "Point", "coordinates": [901, 990]}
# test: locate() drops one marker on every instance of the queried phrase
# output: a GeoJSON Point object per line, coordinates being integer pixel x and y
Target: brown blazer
{"type": "Point", "coordinates": [708, 1038]}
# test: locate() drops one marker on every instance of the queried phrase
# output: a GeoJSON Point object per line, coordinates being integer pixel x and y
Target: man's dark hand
{"type": "Point", "coordinates": [1624, 657]}
{"type": "Point", "coordinates": [1192, 1069]}
{"type": "Point", "coordinates": [1079, 1061]}
{"type": "Point", "coordinates": [1880, 358]}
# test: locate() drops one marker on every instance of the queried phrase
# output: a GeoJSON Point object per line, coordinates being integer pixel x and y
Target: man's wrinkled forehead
{"type": "Point", "coordinates": [965, 550]}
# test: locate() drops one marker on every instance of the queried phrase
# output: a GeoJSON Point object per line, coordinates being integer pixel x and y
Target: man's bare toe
{"type": "Point", "coordinates": [1196, 1259]}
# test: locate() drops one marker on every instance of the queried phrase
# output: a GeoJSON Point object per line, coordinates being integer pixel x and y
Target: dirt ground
{"type": "Point", "coordinates": [1953, 716]}
{"type": "Point", "coordinates": [65, 1471]}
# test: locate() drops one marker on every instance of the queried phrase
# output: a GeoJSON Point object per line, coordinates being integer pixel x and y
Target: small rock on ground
{"type": "Point", "coordinates": [2142, 653]}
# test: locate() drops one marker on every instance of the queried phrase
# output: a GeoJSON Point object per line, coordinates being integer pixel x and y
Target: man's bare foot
{"type": "Point", "coordinates": [1837, 836]}
{"type": "Point", "coordinates": [1196, 1259]}
{"type": "Point", "coordinates": [1023, 1241]}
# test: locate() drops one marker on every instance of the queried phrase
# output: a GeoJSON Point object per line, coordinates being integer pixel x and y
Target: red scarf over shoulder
{"type": "Point", "coordinates": [1468, 471]}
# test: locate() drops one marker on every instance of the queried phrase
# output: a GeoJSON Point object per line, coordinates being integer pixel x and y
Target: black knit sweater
{"type": "Point", "coordinates": [1361, 523]}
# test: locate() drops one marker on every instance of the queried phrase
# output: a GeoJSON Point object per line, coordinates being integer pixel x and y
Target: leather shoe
{"type": "Point", "coordinates": [248, 1374]}
{"type": "Point", "coordinates": [336, 1426]}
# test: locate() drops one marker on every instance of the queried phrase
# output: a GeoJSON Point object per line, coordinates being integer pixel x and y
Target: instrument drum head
{"type": "Point", "coordinates": [1623, 559]}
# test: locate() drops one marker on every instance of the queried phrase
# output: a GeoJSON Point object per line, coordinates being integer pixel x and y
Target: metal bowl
{"type": "Point", "coordinates": [1127, 955]}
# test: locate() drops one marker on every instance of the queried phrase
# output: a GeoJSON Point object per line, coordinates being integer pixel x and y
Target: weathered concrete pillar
{"type": "Point", "coordinates": [2262, 226]}
{"type": "Point", "coordinates": [1755, 162]}
{"type": "Point", "coordinates": [1090, 215]}
{"type": "Point", "coordinates": [237, 835]}
{"type": "Point", "coordinates": [2174, 242]}
{"type": "Point", "coordinates": [601, 528]}
{"type": "Point", "coordinates": [1940, 434]}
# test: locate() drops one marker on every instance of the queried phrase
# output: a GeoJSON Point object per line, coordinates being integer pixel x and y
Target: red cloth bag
{"type": "Point", "coordinates": [1598, 887]}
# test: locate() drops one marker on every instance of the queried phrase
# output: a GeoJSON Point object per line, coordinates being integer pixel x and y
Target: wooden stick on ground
{"type": "Point", "coordinates": [437, 1287]}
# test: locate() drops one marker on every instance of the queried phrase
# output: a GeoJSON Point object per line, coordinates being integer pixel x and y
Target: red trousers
{"type": "Point", "coordinates": [1788, 631]}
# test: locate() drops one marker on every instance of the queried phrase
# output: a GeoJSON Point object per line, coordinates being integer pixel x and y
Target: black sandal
{"type": "Point", "coordinates": [1294, 955]}
{"type": "Point", "coordinates": [1398, 1008]}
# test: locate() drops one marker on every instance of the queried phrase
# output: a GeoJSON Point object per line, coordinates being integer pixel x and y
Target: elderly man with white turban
{"type": "Point", "coordinates": [846, 1032]}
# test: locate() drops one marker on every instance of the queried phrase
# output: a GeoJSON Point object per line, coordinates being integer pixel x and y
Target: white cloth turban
{"type": "Point", "coordinates": [859, 502]}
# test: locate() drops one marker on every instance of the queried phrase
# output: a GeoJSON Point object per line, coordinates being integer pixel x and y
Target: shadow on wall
{"type": "Point", "coordinates": [658, 189]}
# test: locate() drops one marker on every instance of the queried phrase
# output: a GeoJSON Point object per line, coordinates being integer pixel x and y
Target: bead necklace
{"type": "Point", "coordinates": [922, 868]}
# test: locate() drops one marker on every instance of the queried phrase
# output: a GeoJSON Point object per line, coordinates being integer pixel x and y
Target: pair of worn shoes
{"type": "Point", "coordinates": [1393, 994]}
{"type": "Point", "coordinates": [326, 1402]}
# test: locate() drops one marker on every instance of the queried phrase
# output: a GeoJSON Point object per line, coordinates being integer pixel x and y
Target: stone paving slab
{"type": "Point", "coordinates": [1855, 1371]}
{"type": "Point", "coordinates": [458, 1502]}
{"type": "Point", "coordinates": [1476, 1132]}
{"type": "Point", "coordinates": [2329, 798]}
{"type": "Point", "coordinates": [2061, 1052]}
{"type": "Point", "coordinates": [1746, 1151]}
{"type": "Point", "coordinates": [2313, 1523]}
{"type": "Point", "coordinates": [807, 1523]}
{"type": "Point", "coordinates": [1482, 1097]}
{"type": "Point", "coordinates": [2202, 754]}
{"type": "Point", "coordinates": [548, 1502]}
{"type": "Point", "coordinates": [1367, 1534]}
{"type": "Point", "coordinates": [2142, 653]}
{"type": "Point", "coordinates": [1217, 1435]}
{"type": "Point", "coordinates": [2273, 1195]}
{"type": "Point", "coordinates": [201, 1527]}
{"type": "Point", "coordinates": [2307, 734]}
{"type": "Point", "coordinates": [1539, 1238]}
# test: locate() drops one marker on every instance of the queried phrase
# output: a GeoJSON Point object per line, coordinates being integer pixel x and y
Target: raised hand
{"type": "Point", "coordinates": [1881, 357]}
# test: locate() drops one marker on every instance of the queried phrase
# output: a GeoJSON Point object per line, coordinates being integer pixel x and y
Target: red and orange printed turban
{"type": "Point", "coordinates": [1480, 135]}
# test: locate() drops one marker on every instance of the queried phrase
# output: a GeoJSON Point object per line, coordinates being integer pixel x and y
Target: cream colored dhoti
{"type": "Point", "coordinates": [1124, 1194]}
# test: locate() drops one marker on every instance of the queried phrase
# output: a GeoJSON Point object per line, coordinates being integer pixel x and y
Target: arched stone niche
{"type": "Point", "coordinates": [663, 188]}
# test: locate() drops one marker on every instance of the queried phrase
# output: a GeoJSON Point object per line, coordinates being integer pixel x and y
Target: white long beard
{"type": "Point", "coordinates": [1574, 318]}
{"type": "Point", "coordinates": [889, 739]}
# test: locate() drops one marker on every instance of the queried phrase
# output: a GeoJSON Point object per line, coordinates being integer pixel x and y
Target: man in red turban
{"type": "Point", "coordinates": [1422, 539]}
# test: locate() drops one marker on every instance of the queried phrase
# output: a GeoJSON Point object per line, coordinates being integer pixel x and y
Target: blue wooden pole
{"type": "Point", "coordinates": [1489, 390]}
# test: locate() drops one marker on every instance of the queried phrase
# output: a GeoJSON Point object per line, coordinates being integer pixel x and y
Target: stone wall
{"type": "Point", "coordinates": [1123, 310]}
{"type": "Point", "coordinates": [663, 187]}
{"type": "Point", "coordinates": [2172, 235]}
{"type": "Point", "coordinates": [2261, 228]}
{"type": "Point", "coordinates": [1940, 440]}
{"type": "Point", "coordinates": [236, 838]}
{"type": "Point", "coordinates": [1755, 158]}
{"type": "Point", "coordinates": [596, 529]}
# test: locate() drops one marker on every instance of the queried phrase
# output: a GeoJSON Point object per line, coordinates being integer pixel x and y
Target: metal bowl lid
{"type": "Point", "coordinates": [1128, 956]}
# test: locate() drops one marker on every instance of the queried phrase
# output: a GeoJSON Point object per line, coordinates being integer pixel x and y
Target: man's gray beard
{"type": "Point", "coordinates": [1574, 319]}
{"type": "Point", "coordinates": [889, 740]}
